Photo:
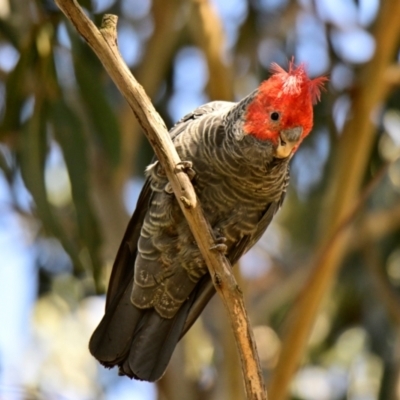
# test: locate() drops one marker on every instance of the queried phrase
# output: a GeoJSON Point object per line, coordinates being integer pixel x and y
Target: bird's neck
{"type": "Point", "coordinates": [235, 117]}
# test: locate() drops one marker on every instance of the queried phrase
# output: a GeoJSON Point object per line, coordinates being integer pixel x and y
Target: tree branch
{"type": "Point", "coordinates": [104, 43]}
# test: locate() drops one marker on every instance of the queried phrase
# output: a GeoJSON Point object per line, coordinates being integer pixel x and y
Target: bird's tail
{"type": "Point", "coordinates": [139, 341]}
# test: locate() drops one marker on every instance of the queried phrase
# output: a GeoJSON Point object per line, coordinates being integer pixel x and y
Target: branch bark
{"type": "Point", "coordinates": [104, 43]}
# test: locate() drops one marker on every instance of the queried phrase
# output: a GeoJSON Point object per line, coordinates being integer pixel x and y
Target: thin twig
{"type": "Point", "coordinates": [104, 44]}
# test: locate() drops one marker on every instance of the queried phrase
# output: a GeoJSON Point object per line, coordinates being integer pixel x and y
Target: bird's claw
{"type": "Point", "coordinates": [168, 188]}
{"type": "Point", "coordinates": [160, 171]}
{"type": "Point", "coordinates": [187, 167]}
{"type": "Point", "coordinates": [183, 165]}
{"type": "Point", "coordinates": [220, 245]}
{"type": "Point", "coordinates": [222, 248]}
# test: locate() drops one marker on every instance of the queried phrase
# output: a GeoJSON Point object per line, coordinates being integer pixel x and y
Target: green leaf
{"type": "Point", "coordinates": [5, 167]}
{"type": "Point", "coordinates": [98, 108]}
{"type": "Point", "coordinates": [32, 154]}
{"type": "Point", "coordinates": [69, 134]}
{"type": "Point", "coordinates": [16, 90]}
{"type": "Point", "coordinates": [7, 31]}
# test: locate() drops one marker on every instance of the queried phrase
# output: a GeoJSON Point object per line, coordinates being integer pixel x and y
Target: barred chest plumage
{"type": "Point", "coordinates": [236, 175]}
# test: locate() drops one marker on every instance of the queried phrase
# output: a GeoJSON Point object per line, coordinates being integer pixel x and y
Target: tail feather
{"type": "Point", "coordinates": [111, 340]}
{"type": "Point", "coordinates": [154, 343]}
{"type": "Point", "coordinates": [139, 341]}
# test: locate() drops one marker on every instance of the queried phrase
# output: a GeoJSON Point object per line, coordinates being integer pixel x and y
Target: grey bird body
{"type": "Point", "coordinates": [160, 284]}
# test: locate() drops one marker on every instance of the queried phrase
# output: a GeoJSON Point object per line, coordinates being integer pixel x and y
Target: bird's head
{"type": "Point", "coordinates": [282, 110]}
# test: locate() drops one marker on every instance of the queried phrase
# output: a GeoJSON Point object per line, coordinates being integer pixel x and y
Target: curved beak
{"type": "Point", "coordinates": [288, 140]}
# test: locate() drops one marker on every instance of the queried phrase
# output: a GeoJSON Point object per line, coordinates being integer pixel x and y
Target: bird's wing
{"type": "Point", "coordinates": [204, 109]}
{"type": "Point", "coordinates": [125, 259]}
{"type": "Point", "coordinates": [123, 267]}
{"type": "Point", "coordinates": [199, 112]}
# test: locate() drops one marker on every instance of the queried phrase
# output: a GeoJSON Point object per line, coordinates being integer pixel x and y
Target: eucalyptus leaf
{"type": "Point", "coordinates": [98, 109]}
{"type": "Point", "coordinates": [33, 148]}
{"type": "Point", "coordinates": [17, 90]}
{"type": "Point", "coordinates": [69, 134]}
{"type": "Point", "coordinates": [8, 32]}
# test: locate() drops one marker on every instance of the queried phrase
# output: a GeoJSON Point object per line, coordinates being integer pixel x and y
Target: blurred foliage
{"type": "Point", "coordinates": [71, 152]}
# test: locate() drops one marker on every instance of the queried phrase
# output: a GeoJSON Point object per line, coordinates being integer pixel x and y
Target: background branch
{"type": "Point", "coordinates": [104, 44]}
{"type": "Point", "coordinates": [355, 144]}
{"type": "Point", "coordinates": [375, 226]}
{"type": "Point", "coordinates": [392, 75]}
{"type": "Point", "coordinates": [388, 295]}
{"type": "Point", "coordinates": [207, 31]}
{"type": "Point", "coordinates": [160, 46]}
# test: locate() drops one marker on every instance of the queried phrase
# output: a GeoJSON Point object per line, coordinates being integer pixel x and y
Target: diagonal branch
{"type": "Point", "coordinates": [104, 43]}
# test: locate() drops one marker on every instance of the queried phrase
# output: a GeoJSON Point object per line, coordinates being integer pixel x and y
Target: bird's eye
{"type": "Point", "coordinates": [275, 116]}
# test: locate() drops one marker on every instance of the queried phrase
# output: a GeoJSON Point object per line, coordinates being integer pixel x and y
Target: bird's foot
{"type": "Point", "coordinates": [187, 167]}
{"type": "Point", "coordinates": [168, 188]}
{"type": "Point", "coordinates": [220, 245]}
{"type": "Point", "coordinates": [160, 170]}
